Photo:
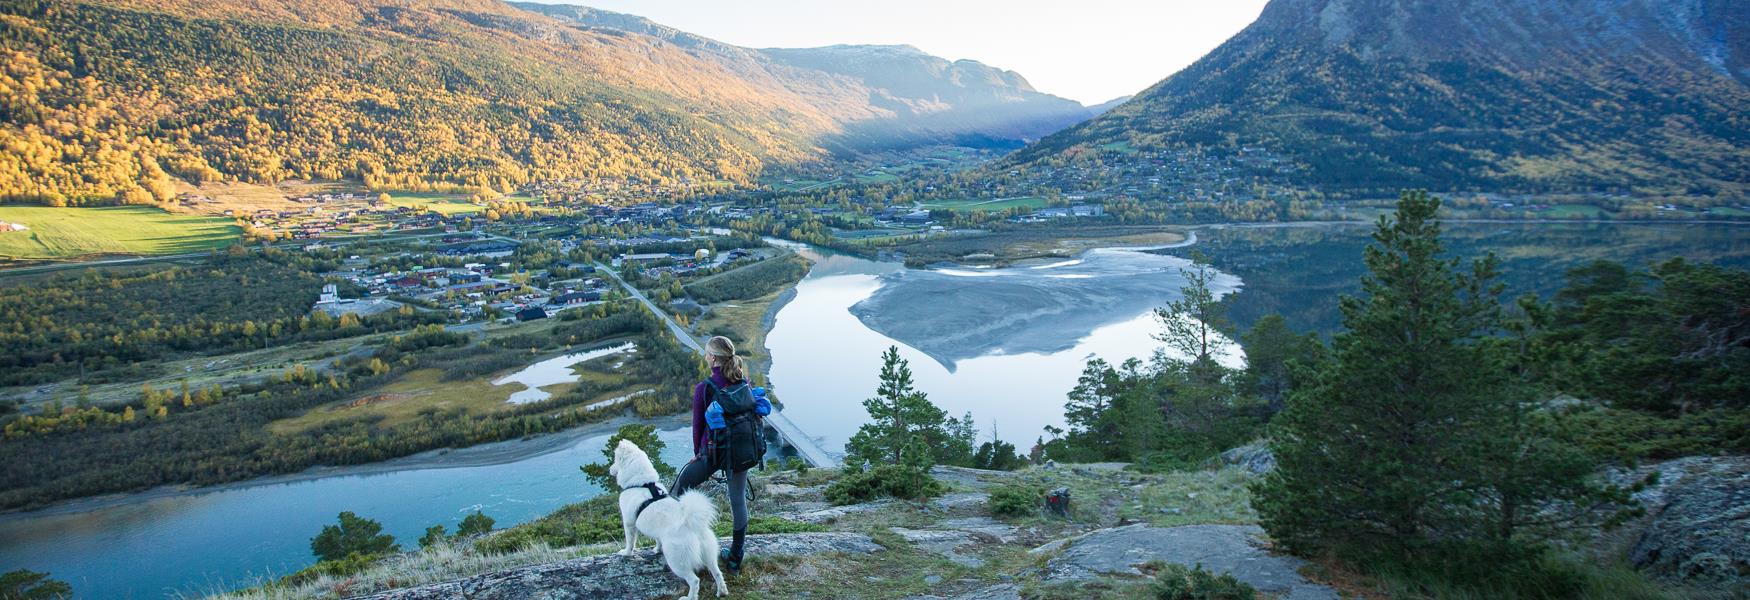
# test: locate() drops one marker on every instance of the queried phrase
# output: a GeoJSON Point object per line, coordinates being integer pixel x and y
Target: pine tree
{"type": "Point", "coordinates": [1194, 322]}
{"type": "Point", "coordinates": [1400, 447]}
{"type": "Point", "coordinates": [903, 422]}
{"type": "Point", "coordinates": [1371, 451]}
{"type": "Point", "coordinates": [475, 524]}
{"type": "Point", "coordinates": [642, 435]}
{"type": "Point", "coordinates": [433, 536]}
{"type": "Point", "coordinates": [354, 535]}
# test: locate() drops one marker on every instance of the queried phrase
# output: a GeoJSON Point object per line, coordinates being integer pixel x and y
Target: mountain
{"type": "Point", "coordinates": [964, 100]}
{"type": "Point", "coordinates": [1530, 95]}
{"type": "Point", "coordinates": [901, 95]}
{"type": "Point", "coordinates": [1101, 108]}
{"type": "Point", "coordinates": [110, 100]}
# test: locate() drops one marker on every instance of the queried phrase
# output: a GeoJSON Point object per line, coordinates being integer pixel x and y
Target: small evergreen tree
{"type": "Point", "coordinates": [475, 524]}
{"type": "Point", "coordinates": [642, 435]}
{"type": "Point", "coordinates": [354, 535]}
{"type": "Point", "coordinates": [1407, 445]}
{"type": "Point", "coordinates": [905, 428]}
{"type": "Point", "coordinates": [433, 536]}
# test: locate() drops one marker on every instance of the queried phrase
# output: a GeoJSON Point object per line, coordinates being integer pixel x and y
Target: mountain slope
{"type": "Point", "coordinates": [885, 95]}
{"type": "Point", "coordinates": [960, 99]}
{"type": "Point", "coordinates": [109, 100]}
{"type": "Point", "coordinates": [1528, 95]}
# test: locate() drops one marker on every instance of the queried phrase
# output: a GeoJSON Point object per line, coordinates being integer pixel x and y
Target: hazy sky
{"type": "Point", "coordinates": [1087, 50]}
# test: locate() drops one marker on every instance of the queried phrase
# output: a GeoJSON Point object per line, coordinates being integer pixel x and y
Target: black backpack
{"type": "Point", "coordinates": [742, 444]}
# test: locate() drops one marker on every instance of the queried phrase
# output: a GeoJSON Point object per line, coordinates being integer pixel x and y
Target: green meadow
{"type": "Point", "coordinates": [60, 233]}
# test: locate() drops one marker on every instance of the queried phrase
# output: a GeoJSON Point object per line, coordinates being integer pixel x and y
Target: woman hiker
{"type": "Point", "coordinates": [727, 371]}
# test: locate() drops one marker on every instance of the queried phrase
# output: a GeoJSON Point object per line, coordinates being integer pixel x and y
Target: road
{"type": "Point", "coordinates": [802, 442]}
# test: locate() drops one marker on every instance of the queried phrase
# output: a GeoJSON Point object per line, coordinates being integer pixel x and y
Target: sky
{"type": "Point", "coordinates": [1086, 50]}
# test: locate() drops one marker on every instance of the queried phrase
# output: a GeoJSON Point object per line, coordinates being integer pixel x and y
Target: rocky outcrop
{"type": "Point", "coordinates": [616, 577]}
{"type": "Point", "coordinates": [1698, 522]}
{"type": "Point", "coordinates": [1255, 457]}
{"type": "Point", "coordinates": [1233, 549]}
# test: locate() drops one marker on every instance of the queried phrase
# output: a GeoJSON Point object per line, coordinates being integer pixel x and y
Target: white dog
{"type": "Point", "coordinates": [681, 526]}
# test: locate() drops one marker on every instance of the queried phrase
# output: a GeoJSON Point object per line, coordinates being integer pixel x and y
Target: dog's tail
{"type": "Point", "coordinates": [699, 513]}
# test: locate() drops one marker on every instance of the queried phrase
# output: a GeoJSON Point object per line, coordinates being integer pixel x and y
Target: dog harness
{"type": "Point", "coordinates": [655, 494]}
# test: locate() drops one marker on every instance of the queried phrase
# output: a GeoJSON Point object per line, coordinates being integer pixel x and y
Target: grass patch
{"type": "Point", "coordinates": [58, 233]}
{"type": "Point", "coordinates": [1194, 498]}
{"type": "Point", "coordinates": [443, 204]}
{"type": "Point", "coordinates": [404, 399]}
{"type": "Point", "coordinates": [987, 205]}
{"type": "Point", "coordinates": [1574, 211]}
{"type": "Point", "coordinates": [424, 390]}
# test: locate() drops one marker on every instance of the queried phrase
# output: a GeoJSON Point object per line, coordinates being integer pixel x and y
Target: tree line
{"type": "Point", "coordinates": [1425, 440]}
{"type": "Point", "coordinates": [227, 438]}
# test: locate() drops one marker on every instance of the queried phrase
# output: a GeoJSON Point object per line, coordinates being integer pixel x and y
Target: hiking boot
{"type": "Point", "coordinates": [731, 562]}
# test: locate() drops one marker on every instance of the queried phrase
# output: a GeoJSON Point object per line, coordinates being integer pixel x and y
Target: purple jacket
{"type": "Point", "coordinates": [701, 399]}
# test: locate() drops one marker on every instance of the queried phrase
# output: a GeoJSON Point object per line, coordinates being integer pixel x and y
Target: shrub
{"type": "Point", "coordinates": [893, 481]}
{"type": "Point", "coordinates": [31, 585]}
{"type": "Point", "coordinates": [475, 524]}
{"type": "Point", "coordinates": [354, 535]}
{"type": "Point", "coordinates": [1015, 500]}
{"type": "Point", "coordinates": [434, 535]}
{"type": "Point", "coordinates": [1178, 582]}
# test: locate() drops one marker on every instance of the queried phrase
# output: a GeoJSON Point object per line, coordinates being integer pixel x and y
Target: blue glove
{"type": "Point", "coordinates": [761, 405]}
{"type": "Point", "coordinates": [714, 416]}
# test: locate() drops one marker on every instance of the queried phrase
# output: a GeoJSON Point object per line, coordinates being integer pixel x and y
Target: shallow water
{"type": "Point", "coordinates": [1004, 344]}
{"type": "Point", "coordinates": [553, 371]}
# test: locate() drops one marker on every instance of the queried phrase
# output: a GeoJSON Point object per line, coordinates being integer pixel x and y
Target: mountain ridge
{"type": "Point", "coordinates": [1369, 96]}
{"type": "Point", "coordinates": [111, 100]}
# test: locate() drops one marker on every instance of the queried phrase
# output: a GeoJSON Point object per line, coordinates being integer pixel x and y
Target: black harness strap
{"type": "Point", "coordinates": [656, 493]}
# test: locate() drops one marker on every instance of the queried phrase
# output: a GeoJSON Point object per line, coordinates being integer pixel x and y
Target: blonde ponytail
{"type": "Point", "coordinates": [721, 353]}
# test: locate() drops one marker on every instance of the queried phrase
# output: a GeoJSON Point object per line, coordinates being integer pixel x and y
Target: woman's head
{"type": "Point", "coordinates": [721, 353]}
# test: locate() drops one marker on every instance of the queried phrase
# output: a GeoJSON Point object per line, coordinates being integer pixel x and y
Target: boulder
{"type": "Point", "coordinates": [1698, 522]}
{"type": "Point", "coordinates": [1255, 457]}
{"type": "Point", "coordinates": [1232, 549]}
{"type": "Point", "coordinates": [617, 577]}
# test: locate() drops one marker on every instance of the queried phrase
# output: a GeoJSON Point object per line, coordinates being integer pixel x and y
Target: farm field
{"type": "Point", "coordinates": [987, 205]}
{"type": "Point", "coordinates": [444, 204]}
{"type": "Point", "coordinates": [61, 233]}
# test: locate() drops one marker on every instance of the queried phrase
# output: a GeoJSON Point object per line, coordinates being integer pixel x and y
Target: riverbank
{"type": "Point", "coordinates": [480, 455]}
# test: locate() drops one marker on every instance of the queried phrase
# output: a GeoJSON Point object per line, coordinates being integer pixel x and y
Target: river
{"type": "Point", "coordinates": [158, 545]}
{"type": "Point", "coordinates": [1005, 345]}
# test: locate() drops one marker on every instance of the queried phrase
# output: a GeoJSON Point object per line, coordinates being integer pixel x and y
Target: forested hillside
{"type": "Point", "coordinates": [107, 101]}
{"type": "Point", "coordinates": [1640, 96]}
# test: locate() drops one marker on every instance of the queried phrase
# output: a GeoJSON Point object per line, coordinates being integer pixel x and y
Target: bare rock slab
{"type": "Point", "coordinates": [1698, 525]}
{"type": "Point", "coordinates": [616, 577]}
{"type": "Point", "coordinates": [1232, 549]}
